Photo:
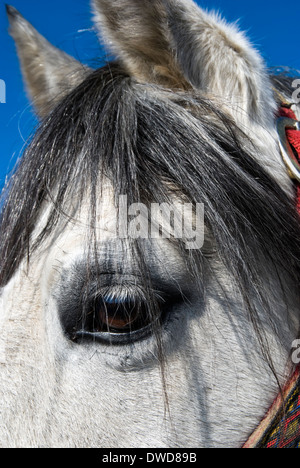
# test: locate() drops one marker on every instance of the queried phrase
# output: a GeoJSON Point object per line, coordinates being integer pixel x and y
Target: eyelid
{"type": "Point", "coordinates": [79, 291]}
{"type": "Point", "coordinates": [116, 338]}
{"type": "Point", "coordinates": [119, 294]}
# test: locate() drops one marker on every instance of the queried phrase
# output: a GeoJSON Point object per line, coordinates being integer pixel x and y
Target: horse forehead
{"type": "Point", "coordinates": [71, 246]}
{"type": "Point", "coordinates": [110, 218]}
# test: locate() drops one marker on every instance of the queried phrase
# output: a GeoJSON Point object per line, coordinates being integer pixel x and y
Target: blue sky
{"type": "Point", "coordinates": [271, 25]}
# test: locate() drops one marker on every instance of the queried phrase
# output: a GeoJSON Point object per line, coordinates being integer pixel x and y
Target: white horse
{"type": "Point", "coordinates": [112, 340]}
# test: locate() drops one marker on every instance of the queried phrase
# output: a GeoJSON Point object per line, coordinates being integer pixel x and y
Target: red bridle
{"type": "Point", "coordinates": [274, 430]}
{"type": "Point", "coordinates": [288, 128]}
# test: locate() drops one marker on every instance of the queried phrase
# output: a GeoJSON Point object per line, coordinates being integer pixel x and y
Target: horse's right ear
{"type": "Point", "coordinates": [177, 44]}
{"type": "Point", "coordinates": [49, 73]}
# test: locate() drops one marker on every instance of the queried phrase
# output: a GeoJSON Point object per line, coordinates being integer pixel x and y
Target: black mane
{"type": "Point", "coordinates": [146, 140]}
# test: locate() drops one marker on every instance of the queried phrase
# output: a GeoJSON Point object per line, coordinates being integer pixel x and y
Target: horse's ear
{"type": "Point", "coordinates": [49, 73]}
{"type": "Point", "coordinates": [177, 42]}
{"type": "Point", "coordinates": [218, 59]}
{"type": "Point", "coordinates": [137, 33]}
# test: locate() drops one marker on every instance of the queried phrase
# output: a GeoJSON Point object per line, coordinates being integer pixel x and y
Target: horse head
{"type": "Point", "coordinates": [150, 255]}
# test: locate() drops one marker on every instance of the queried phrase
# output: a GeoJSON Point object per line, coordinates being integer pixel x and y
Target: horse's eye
{"type": "Point", "coordinates": [120, 317]}
{"type": "Point", "coordinates": [114, 321]}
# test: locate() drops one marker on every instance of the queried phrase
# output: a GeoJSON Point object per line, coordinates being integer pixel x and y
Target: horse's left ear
{"type": "Point", "coordinates": [49, 73]}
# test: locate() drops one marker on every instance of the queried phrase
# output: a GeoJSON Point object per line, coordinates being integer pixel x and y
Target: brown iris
{"type": "Point", "coordinates": [119, 317]}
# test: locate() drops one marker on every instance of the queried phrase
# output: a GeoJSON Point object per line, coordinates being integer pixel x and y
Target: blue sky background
{"type": "Point", "coordinates": [272, 26]}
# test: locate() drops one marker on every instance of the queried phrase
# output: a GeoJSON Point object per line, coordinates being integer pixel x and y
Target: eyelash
{"type": "Point", "coordinates": [118, 315]}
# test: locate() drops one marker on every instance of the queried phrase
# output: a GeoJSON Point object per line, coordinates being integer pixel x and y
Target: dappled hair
{"type": "Point", "coordinates": [152, 144]}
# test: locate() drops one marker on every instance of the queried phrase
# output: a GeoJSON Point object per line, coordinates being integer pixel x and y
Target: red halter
{"type": "Point", "coordinates": [277, 430]}
{"type": "Point", "coordinates": [289, 133]}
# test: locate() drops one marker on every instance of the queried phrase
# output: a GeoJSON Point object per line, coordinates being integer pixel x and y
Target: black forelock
{"type": "Point", "coordinates": [151, 143]}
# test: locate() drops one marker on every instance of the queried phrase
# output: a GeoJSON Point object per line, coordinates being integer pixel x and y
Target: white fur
{"type": "Point", "coordinates": [58, 394]}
